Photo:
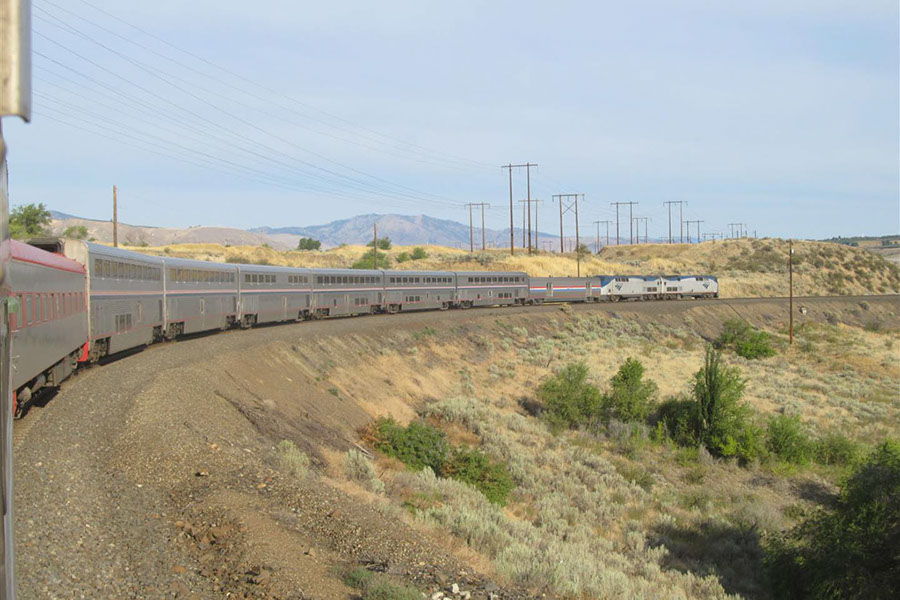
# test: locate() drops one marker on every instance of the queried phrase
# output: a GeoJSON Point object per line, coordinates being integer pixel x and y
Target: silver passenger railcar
{"type": "Point", "coordinates": [419, 290]}
{"type": "Point", "coordinates": [273, 294]}
{"type": "Point", "coordinates": [49, 331]}
{"type": "Point", "coordinates": [489, 288]}
{"type": "Point", "coordinates": [343, 292]}
{"type": "Point", "coordinates": [561, 289]}
{"type": "Point", "coordinates": [125, 303]}
{"type": "Point", "coordinates": [200, 296]}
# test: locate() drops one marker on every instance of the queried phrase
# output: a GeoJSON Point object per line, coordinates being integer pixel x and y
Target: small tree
{"type": "Point", "coordinates": [630, 397]}
{"type": "Point", "coordinates": [78, 232]}
{"type": "Point", "coordinates": [368, 262]}
{"type": "Point", "coordinates": [29, 220]}
{"type": "Point", "coordinates": [850, 551]}
{"type": "Point", "coordinates": [383, 243]}
{"type": "Point", "coordinates": [788, 440]}
{"type": "Point", "coordinates": [306, 243]}
{"type": "Point", "coordinates": [723, 421]}
{"type": "Point", "coordinates": [418, 253]}
{"type": "Point", "coordinates": [569, 399]}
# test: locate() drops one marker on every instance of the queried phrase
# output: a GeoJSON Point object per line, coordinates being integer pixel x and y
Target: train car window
{"type": "Point", "coordinates": [28, 317]}
{"type": "Point", "coordinates": [246, 277]}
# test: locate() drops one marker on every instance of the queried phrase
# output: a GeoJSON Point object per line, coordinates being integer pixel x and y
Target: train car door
{"type": "Point", "coordinates": [284, 308]}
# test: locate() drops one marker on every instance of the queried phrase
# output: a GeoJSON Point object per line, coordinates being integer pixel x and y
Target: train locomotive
{"type": "Point", "coordinates": [78, 302]}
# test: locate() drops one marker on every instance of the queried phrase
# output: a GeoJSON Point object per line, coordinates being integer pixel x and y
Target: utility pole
{"type": "Point", "coordinates": [536, 231]}
{"type": "Point", "coordinates": [115, 219]}
{"type": "Point", "coordinates": [527, 167]}
{"type": "Point", "coordinates": [669, 206]}
{"type": "Point", "coordinates": [564, 208]}
{"type": "Point", "coordinates": [375, 246]}
{"type": "Point", "coordinates": [617, 204]}
{"type": "Point", "coordinates": [607, 223]}
{"type": "Point", "coordinates": [791, 286]}
{"type": "Point", "coordinates": [698, 230]}
{"type": "Point", "coordinates": [512, 235]}
{"type": "Point", "coordinates": [637, 228]}
{"type": "Point", "coordinates": [681, 204]}
{"type": "Point", "coordinates": [483, 242]}
{"type": "Point", "coordinates": [732, 225]}
{"type": "Point", "coordinates": [597, 223]}
{"type": "Point", "coordinates": [577, 239]}
{"type": "Point", "coordinates": [471, 233]}
{"type": "Point", "coordinates": [524, 203]}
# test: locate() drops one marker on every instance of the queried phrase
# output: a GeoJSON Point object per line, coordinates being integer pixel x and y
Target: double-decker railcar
{"type": "Point", "coordinates": [419, 290]}
{"type": "Point", "coordinates": [690, 286]}
{"type": "Point", "coordinates": [561, 289]}
{"type": "Point", "coordinates": [343, 292]}
{"type": "Point", "coordinates": [200, 296]}
{"type": "Point", "coordinates": [489, 288]}
{"type": "Point", "coordinates": [126, 299]}
{"type": "Point", "coordinates": [273, 294]}
{"type": "Point", "coordinates": [49, 331]}
{"type": "Point", "coordinates": [632, 287]}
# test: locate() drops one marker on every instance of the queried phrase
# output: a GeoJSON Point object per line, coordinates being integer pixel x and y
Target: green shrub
{"type": "Point", "coordinates": [383, 243]}
{"type": "Point", "coordinates": [292, 459]}
{"type": "Point", "coordinates": [850, 551]}
{"type": "Point", "coordinates": [477, 469]}
{"type": "Point", "coordinates": [837, 449]}
{"type": "Point", "coordinates": [385, 589]}
{"type": "Point", "coordinates": [630, 397]}
{"type": "Point", "coordinates": [306, 243]}
{"type": "Point", "coordinates": [723, 421]}
{"type": "Point", "coordinates": [418, 253]}
{"type": "Point", "coordinates": [787, 439]}
{"type": "Point", "coordinates": [745, 340]}
{"type": "Point", "coordinates": [680, 418]}
{"type": "Point", "coordinates": [417, 445]}
{"type": "Point", "coordinates": [402, 257]}
{"type": "Point", "coordinates": [360, 469]}
{"type": "Point", "coordinates": [368, 262]}
{"type": "Point", "coordinates": [358, 578]}
{"type": "Point", "coordinates": [569, 399]}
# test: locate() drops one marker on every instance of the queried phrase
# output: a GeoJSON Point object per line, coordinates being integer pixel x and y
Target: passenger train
{"type": "Point", "coordinates": [79, 302]}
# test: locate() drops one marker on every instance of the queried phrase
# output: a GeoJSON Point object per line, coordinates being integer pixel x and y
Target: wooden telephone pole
{"type": "Point", "coordinates": [115, 218]}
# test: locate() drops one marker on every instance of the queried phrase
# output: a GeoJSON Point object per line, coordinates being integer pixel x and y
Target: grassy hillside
{"type": "Point", "coordinates": [746, 267]}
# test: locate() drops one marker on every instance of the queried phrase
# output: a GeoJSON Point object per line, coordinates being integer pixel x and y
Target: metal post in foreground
{"type": "Point", "coordinates": [15, 100]}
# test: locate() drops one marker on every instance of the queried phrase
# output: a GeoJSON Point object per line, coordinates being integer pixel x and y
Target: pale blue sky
{"type": "Point", "coordinates": [781, 115]}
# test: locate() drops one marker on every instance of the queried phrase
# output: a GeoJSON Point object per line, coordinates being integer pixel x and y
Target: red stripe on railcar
{"type": "Point", "coordinates": [26, 253]}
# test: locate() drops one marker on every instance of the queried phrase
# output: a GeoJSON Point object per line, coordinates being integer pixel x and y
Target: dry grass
{"type": "Point", "coordinates": [744, 267]}
{"type": "Point", "coordinates": [619, 515]}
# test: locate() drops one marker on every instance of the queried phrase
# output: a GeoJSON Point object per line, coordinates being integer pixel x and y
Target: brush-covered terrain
{"type": "Point", "coordinates": [492, 453]}
{"type": "Point", "coordinates": [745, 267]}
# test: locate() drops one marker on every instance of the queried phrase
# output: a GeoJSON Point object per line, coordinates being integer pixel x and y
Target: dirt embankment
{"type": "Point", "coordinates": [157, 475]}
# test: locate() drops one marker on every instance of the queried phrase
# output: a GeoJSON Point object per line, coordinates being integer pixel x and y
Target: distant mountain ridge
{"type": "Point", "coordinates": [403, 230]}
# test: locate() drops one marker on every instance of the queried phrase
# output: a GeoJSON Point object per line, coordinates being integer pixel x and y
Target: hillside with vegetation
{"type": "Point", "coordinates": [745, 267]}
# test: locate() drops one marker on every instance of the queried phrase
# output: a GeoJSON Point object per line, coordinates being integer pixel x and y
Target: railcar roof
{"type": "Point", "coordinates": [271, 269]}
{"type": "Point", "coordinates": [26, 253]}
{"type": "Point", "coordinates": [347, 271]}
{"type": "Point", "coordinates": [201, 264]}
{"type": "Point", "coordinates": [485, 273]}
{"type": "Point", "coordinates": [121, 253]}
{"type": "Point", "coordinates": [401, 272]}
